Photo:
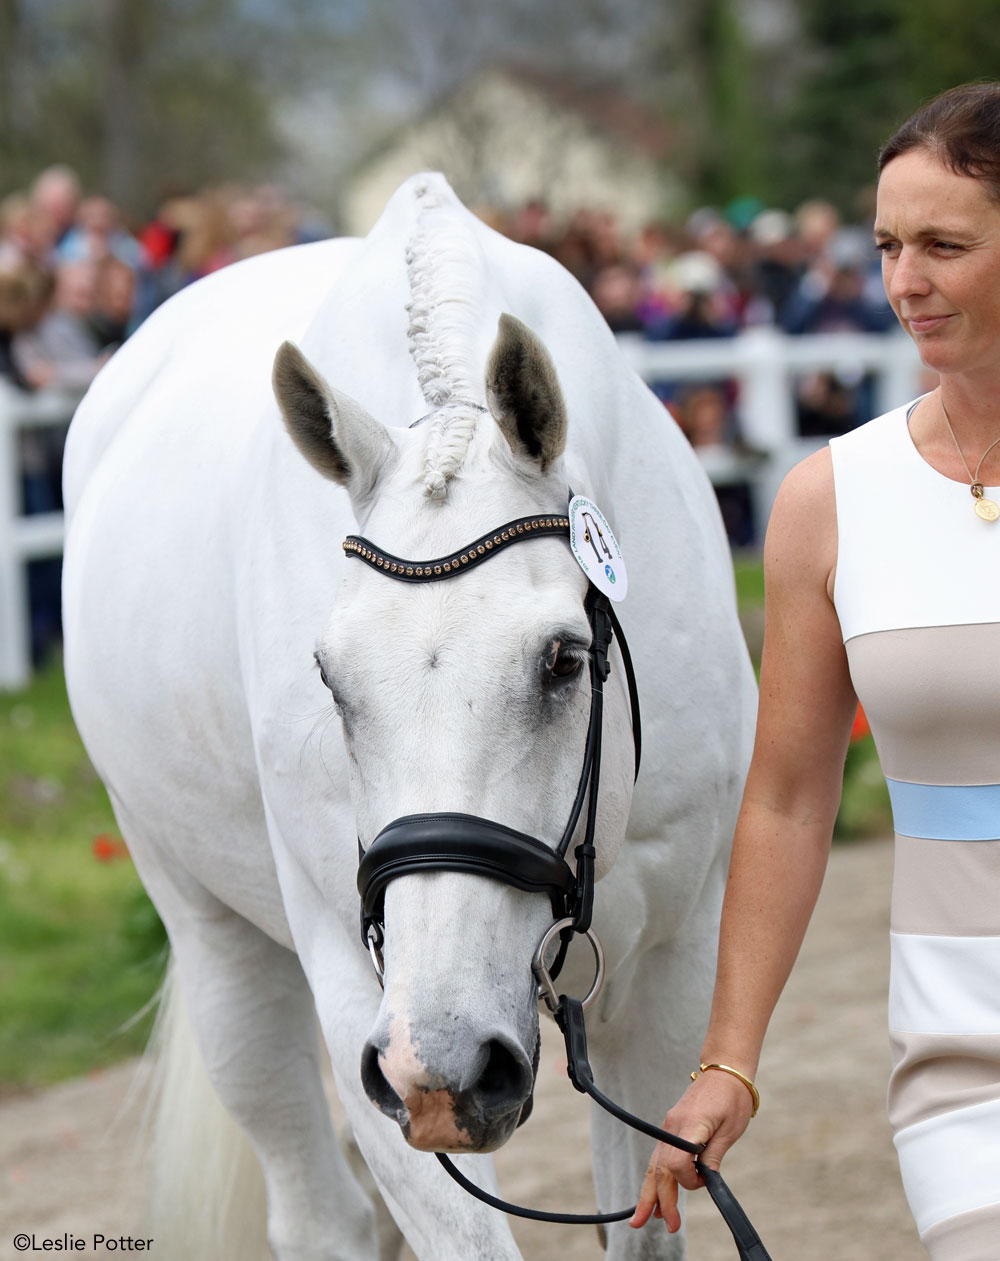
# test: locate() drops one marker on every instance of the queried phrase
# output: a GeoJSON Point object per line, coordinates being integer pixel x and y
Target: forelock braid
{"type": "Point", "coordinates": [445, 273]}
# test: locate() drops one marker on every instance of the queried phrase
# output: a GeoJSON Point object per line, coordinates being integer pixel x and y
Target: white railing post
{"type": "Point", "coordinates": [23, 539]}
{"type": "Point", "coordinates": [767, 413]}
{"type": "Point", "coordinates": [15, 635]}
{"type": "Point", "coordinates": [901, 379]}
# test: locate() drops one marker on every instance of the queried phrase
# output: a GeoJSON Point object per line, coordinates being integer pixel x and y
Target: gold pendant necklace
{"type": "Point", "coordinates": [985, 508]}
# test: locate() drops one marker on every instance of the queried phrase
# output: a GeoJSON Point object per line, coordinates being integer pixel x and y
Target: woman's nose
{"type": "Point", "coordinates": [907, 276]}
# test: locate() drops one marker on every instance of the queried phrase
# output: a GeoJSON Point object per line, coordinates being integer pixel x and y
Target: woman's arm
{"type": "Point", "coordinates": [782, 840]}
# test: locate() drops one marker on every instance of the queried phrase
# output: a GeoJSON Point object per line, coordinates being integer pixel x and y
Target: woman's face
{"type": "Point", "coordinates": [939, 236]}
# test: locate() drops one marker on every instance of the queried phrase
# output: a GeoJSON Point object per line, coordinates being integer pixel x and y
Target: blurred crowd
{"type": "Point", "coordinates": [722, 271]}
{"type": "Point", "coordinates": [76, 279]}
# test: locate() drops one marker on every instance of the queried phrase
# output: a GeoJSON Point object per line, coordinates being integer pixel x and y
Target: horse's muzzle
{"type": "Point", "coordinates": [438, 1112]}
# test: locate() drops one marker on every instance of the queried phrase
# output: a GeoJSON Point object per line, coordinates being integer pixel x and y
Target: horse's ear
{"type": "Point", "coordinates": [333, 432]}
{"type": "Point", "coordinates": [524, 394]}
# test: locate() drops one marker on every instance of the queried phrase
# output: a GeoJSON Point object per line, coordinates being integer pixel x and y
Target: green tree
{"type": "Point", "coordinates": [944, 45]}
{"type": "Point", "coordinates": [865, 65]}
{"type": "Point", "coordinates": [142, 96]}
{"type": "Point", "coordinates": [725, 150]}
{"type": "Point", "coordinates": [851, 89]}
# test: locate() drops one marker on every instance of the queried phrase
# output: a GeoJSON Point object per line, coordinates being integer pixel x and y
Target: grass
{"type": "Point", "coordinates": [81, 949]}
{"type": "Point", "coordinates": [749, 581]}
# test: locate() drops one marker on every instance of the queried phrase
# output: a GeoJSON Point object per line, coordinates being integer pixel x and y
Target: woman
{"type": "Point", "coordinates": [883, 575]}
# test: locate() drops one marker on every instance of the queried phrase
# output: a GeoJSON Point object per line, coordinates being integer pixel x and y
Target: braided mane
{"type": "Point", "coordinates": [446, 277]}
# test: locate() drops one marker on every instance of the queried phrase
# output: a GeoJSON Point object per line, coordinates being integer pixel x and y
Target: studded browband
{"type": "Point", "coordinates": [446, 566]}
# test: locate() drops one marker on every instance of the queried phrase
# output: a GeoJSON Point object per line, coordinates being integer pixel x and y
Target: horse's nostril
{"type": "Point", "coordinates": [506, 1077]}
{"type": "Point", "coordinates": [376, 1085]}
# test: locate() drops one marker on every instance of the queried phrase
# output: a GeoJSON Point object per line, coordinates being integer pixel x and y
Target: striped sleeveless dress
{"type": "Point", "coordinates": [917, 592]}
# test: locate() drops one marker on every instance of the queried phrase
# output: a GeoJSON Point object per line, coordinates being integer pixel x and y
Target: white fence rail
{"type": "Point", "coordinates": [23, 538]}
{"type": "Point", "coordinates": [762, 361]}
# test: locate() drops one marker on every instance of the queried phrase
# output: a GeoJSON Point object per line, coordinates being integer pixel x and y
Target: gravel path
{"type": "Point", "coordinates": [816, 1171]}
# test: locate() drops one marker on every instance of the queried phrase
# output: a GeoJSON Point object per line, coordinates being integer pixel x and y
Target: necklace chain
{"type": "Point", "coordinates": [977, 486]}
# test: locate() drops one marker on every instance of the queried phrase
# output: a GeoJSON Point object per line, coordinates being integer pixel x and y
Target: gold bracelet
{"type": "Point", "coordinates": [733, 1072]}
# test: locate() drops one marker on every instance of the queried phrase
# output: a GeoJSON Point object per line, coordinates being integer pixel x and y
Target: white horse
{"type": "Point", "coordinates": [204, 569]}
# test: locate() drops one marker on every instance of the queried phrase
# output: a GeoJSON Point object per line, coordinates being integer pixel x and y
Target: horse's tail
{"type": "Point", "coordinates": [208, 1200]}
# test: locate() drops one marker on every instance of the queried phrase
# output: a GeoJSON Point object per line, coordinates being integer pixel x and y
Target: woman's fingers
{"type": "Point", "coordinates": [711, 1113]}
{"type": "Point", "coordinates": [681, 1163]}
{"type": "Point", "coordinates": [658, 1195]}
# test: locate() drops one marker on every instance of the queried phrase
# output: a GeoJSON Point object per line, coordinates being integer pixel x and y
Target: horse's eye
{"type": "Point", "coordinates": [566, 665]}
{"type": "Point", "coordinates": [563, 661]}
{"type": "Point", "coordinates": [322, 673]}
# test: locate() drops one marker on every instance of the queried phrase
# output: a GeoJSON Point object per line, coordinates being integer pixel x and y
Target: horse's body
{"type": "Point", "coordinates": [203, 566]}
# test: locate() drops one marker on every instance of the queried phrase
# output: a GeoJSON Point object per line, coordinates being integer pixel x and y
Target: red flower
{"type": "Point", "coordinates": [107, 848]}
{"type": "Point", "coordinates": [861, 727]}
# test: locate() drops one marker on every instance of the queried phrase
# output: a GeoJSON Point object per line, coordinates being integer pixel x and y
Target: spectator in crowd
{"type": "Point", "coordinates": [55, 195]}
{"type": "Point", "coordinates": [16, 228]}
{"type": "Point", "coordinates": [700, 298]}
{"type": "Point", "coordinates": [263, 220]}
{"type": "Point", "coordinates": [97, 234]}
{"type": "Point", "coordinates": [704, 411]}
{"type": "Point", "coordinates": [17, 309]}
{"type": "Point", "coordinates": [833, 297]}
{"type": "Point", "coordinates": [207, 238]}
{"type": "Point", "coordinates": [63, 350]}
{"type": "Point", "coordinates": [703, 414]}
{"type": "Point", "coordinates": [711, 233]}
{"type": "Point", "coordinates": [777, 266]}
{"type": "Point", "coordinates": [532, 225]}
{"type": "Point", "coordinates": [25, 235]}
{"type": "Point", "coordinates": [114, 296]}
{"type": "Point", "coordinates": [655, 249]}
{"type": "Point", "coordinates": [816, 224]}
{"type": "Point", "coordinates": [617, 293]}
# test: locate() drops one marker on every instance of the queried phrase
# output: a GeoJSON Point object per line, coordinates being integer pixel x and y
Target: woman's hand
{"type": "Point", "coordinates": [714, 1110]}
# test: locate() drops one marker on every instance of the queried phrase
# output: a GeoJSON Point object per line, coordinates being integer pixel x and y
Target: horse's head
{"type": "Point", "coordinates": [469, 695]}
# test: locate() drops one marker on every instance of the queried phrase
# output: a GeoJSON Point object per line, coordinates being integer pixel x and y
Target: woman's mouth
{"type": "Point", "coordinates": [925, 323]}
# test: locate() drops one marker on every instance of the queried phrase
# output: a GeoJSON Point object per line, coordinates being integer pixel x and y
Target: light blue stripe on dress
{"type": "Point", "coordinates": [946, 812]}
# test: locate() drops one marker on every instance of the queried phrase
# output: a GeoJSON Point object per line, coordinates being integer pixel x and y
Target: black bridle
{"type": "Point", "coordinates": [466, 843]}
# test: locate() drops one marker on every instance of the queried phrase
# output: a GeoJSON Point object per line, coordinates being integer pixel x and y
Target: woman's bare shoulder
{"type": "Point", "coordinates": [802, 531]}
{"type": "Point", "coordinates": [809, 483]}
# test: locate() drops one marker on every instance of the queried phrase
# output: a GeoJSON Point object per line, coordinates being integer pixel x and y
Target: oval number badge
{"type": "Point", "coordinates": [596, 548]}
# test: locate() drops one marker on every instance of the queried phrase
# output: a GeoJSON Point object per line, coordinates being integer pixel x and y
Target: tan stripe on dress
{"type": "Point", "coordinates": [946, 888]}
{"type": "Point", "coordinates": [935, 1073]}
{"type": "Point", "coordinates": [971, 1236]}
{"type": "Point", "coordinates": [932, 696]}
